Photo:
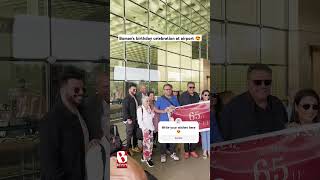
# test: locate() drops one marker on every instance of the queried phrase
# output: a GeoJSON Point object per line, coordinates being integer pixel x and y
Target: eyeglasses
{"type": "Point", "coordinates": [259, 82]}
{"type": "Point", "coordinates": [192, 87]}
{"type": "Point", "coordinates": [134, 89]}
{"type": "Point", "coordinates": [308, 106]}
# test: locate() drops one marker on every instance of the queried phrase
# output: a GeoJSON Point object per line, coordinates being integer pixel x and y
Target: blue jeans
{"type": "Point", "coordinates": [205, 139]}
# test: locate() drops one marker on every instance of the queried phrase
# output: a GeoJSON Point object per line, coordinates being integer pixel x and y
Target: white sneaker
{"type": "Point", "coordinates": [142, 159]}
{"type": "Point", "coordinates": [163, 158]}
{"type": "Point", "coordinates": [174, 157]}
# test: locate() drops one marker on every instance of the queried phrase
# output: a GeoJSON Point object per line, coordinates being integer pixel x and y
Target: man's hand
{"type": "Point", "coordinates": [129, 121]}
{"type": "Point", "coordinates": [133, 172]}
{"type": "Point", "coordinates": [170, 109]}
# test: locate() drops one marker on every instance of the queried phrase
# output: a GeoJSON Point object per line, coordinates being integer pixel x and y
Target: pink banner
{"type": "Point", "coordinates": [195, 112]}
{"type": "Point", "coordinates": [291, 154]}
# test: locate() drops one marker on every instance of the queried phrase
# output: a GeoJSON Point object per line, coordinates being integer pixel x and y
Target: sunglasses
{"type": "Point", "coordinates": [192, 87]}
{"type": "Point", "coordinates": [77, 90]}
{"type": "Point", "coordinates": [206, 94]}
{"type": "Point", "coordinates": [308, 106]}
{"type": "Point", "coordinates": [265, 82]}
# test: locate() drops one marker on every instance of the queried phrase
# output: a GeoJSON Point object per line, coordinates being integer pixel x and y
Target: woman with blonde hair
{"type": "Point", "coordinates": [145, 120]}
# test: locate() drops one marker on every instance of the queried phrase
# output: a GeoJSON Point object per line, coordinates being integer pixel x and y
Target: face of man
{"type": "Point", "coordinates": [103, 85]}
{"type": "Point", "coordinates": [259, 84]}
{"type": "Point", "coordinates": [133, 90]}
{"type": "Point", "coordinates": [191, 88]}
{"type": "Point", "coordinates": [167, 91]}
{"type": "Point", "coordinates": [143, 89]}
{"type": "Point", "coordinates": [74, 91]}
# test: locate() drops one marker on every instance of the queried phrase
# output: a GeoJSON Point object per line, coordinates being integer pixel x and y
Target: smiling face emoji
{"type": "Point", "coordinates": [198, 38]}
{"type": "Point", "coordinates": [178, 131]}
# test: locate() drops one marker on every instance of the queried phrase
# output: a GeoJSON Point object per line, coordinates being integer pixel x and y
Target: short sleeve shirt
{"type": "Point", "coordinates": [163, 103]}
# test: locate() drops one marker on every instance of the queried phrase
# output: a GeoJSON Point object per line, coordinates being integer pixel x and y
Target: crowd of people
{"type": "Point", "coordinates": [75, 133]}
{"type": "Point", "coordinates": [78, 127]}
{"type": "Point", "coordinates": [142, 113]}
{"type": "Point", "coordinates": [257, 111]}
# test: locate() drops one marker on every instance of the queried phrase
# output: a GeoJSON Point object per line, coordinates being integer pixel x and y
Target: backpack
{"type": "Point", "coordinates": [115, 141]}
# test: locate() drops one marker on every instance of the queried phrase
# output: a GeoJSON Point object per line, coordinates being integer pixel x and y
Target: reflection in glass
{"type": "Point", "coordinates": [117, 50]}
{"type": "Point", "coordinates": [173, 59]}
{"type": "Point", "coordinates": [116, 25]}
{"type": "Point", "coordinates": [185, 62]}
{"type": "Point", "coordinates": [115, 63]}
{"type": "Point", "coordinates": [173, 74]}
{"type": "Point", "coordinates": [134, 28]}
{"type": "Point", "coordinates": [172, 28]}
{"type": "Point", "coordinates": [116, 7]}
{"type": "Point", "coordinates": [80, 11]}
{"type": "Point", "coordinates": [185, 23]}
{"type": "Point", "coordinates": [186, 75]}
{"type": "Point", "coordinates": [195, 76]}
{"type": "Point", "coordinates": [186, 49]}
{"type": "Point", "coordinates": [161, 73]}
{"type": "Point", "coordinates": [22, 91]}
{"type": "Point", "coordinates": [136, 52]}
{"type": "Point", "coordinates": [136, 13]}
{"type": "Point", "coordinates": [173, 16]}
{"type": "Point", "coordinates": [157, 23]}
{"type": "Point", "coordinates": [218, 72]}
{"type": "Point", "coordinates": [175, 85]}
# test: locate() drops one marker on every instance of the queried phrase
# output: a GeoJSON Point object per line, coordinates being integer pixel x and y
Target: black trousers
{"type": "Point", "coordinates": [131, 130]}
{"type": "Point", "coordinates": [190, 147]}
{"type": "Point", "coordinates": [171, 148]}
{"type": "Point", "coordinates": [155, 137]}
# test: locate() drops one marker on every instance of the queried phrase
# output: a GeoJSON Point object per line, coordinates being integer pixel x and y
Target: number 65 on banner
{"type": "Point", "coordinates": [265, 173]}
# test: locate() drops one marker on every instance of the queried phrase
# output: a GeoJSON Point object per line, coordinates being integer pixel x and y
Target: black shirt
{"type": "Point", "coordinates": [186, 98]}
{"type": "Point", "coordinates": [129, 108]}
{"type": "Point", "coordinates": [242, 117]}
{"type": "Point", "coordinates": [62, 152]}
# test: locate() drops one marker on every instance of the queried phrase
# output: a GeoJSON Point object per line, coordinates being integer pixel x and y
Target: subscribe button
{"type": "Point", "coordinates": [182, 132]}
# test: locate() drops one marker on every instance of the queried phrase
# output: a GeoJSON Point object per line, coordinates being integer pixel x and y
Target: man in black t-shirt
{"type": "Point", "coordinates": [255, 111]}
{"type": "Point", "coordinates": [190, 97]}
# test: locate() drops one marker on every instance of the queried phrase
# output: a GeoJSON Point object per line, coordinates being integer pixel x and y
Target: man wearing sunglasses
{"type": "Point", "coordinates": [190, 97]}
{"type": "Point", "coordinates": [129, 109]}
{"type": "Point", "coordinates": [255, 111]}
{"type": "Point", "coordinates": [64, 136]}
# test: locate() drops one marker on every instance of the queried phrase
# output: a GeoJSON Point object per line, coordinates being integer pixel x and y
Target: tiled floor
{"type": "Point", "coordinates": [190, 169]}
